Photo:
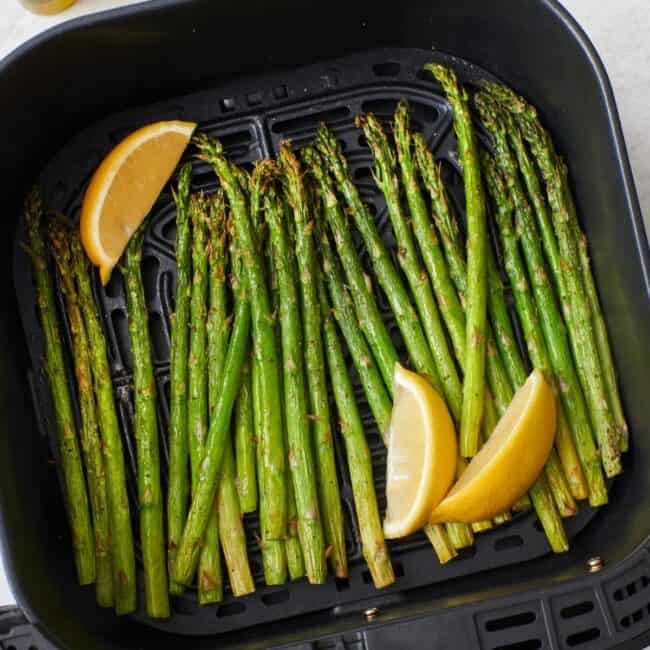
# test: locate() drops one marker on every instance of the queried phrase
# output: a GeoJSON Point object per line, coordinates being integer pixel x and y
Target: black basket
{"type": "Point", "coordinates": [251, 116]}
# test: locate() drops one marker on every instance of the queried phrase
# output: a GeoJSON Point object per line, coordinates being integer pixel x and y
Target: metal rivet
{"type": "Point", "coordinates": [371, 613]}
{"type": "Point", "coordinates": [595, 564]}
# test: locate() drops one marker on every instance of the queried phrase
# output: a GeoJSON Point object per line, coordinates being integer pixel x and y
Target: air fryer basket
{"type": "Point", "coordinates": [252, 114]}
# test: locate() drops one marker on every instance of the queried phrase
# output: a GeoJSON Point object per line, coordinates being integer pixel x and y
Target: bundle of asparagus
{"type": "Point", "coordinates": [263, 374]}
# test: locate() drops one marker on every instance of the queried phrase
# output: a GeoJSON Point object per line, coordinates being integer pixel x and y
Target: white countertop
{"type": "Point", "coordinates": [619, 31]}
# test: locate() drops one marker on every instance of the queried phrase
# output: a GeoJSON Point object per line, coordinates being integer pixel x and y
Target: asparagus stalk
{"type": "Point", "coordinates": [385, 270]}
{"type": "Point", "coordinates": [301, 460]}
{"type": "Point", "coordinates": [370, 320]}
{"type": "Point", "coordinates": [215, 447]}
{"type": "Point", "coordinates": [456, 269]}
{"type": "Point", "coordinates": [375, 391]}
{"type": "Point", "coordinates": [554, 331]}
{"type": "Point", "coordinates": [295, 561]}
{"type": "Point", "coordinates": [373, 544]}
{"type": "Point", "coordinates": [245, 445]}
{"type": "Point", "coordinates": [272, 444]}
{"type": "Point", "coordinates": [518, 105]}
{"type": "Point", "coordinates": [328, 488]}
{"type": "Point", "coordinates": [89, 430]}
{"type": "Point", "coordinates": [476, 296]}
{"type": "Point", "coordinates": [562, 250]}
{"type": "Point", "coordinates": [558, 471]}
{"type": "Point", "coordinates": [152, 536]}
{"type": "Point", "coordinates": [230, 528]}
{"type": "Point", "coordinates": [292, 547]}
{"type": "Point", "coordinates": [441, 542]}
{"type": "Point", "coordinates": [124, 581]}
{"type": "Point", "coordinates": [387, 179]}
{"type": "Point", "coordinates": [503, 391]}
{"type": "Point", "coordinates": [76, 499]}
{"type": "Point", "coordinates": [178, 490]}
{"type": "Point", "coordinates": [274, 556]}
{"type": "Point", "coordinates": [570, 482]}
{"type": "Point", "coordinates": [533, 333]}
{"type": "Point", "coordinates": [210, 588]}
{"type": "Point", "coordinates": [598, 319]}
{"type": "Point", "coordinates": [452, 310]}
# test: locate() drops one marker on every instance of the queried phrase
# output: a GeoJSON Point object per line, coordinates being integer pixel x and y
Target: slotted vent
{"type": "Point", "coordinates": [630, 598]}
{"type": "Point", "coordinates": [513, 628]}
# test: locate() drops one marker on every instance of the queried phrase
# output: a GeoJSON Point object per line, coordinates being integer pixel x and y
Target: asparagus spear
{"type": "Point", "coordinates": [328, 488]}
{"type": "Point", "coordinates": [231, 529]}
{"type": "Point", "coordinates": [301, 460]}
{"type": "Point", "coordinates": [274, 556]}
{"type": "Point", "coordinates": [518, 105]}
{"type": "Point", "coordinates": [386, 273]}
{"type": "Point", "coordinates": [376, 394]}
{"type": "Point", "coordinates": [571, 469]}
{"type": "Point", "coordinates": [417, 278]}
{"type": "Point", "coordinates": [245, 445]}
{"type": "Point", "coordinates": [226, 511]}
{"type": "Point", "coordinates": [272, 445]}
{"type": "Point", "coordinates": [476, 296]}
{"type": "Point", "coordinates": [370, 320]}
{"type": "Point", "coordinates": [456, 269]}
{"type": "Point", "coordinates": [452, 310]}
{"type": "Point", "coordinates": [561, 474]}
{"type": "Point", "coordinates": [533, 333]}
{"type": "Point", "coordinates": [152, 534]}
{"type": "Point", "coordinates": [503, 391]}
{"type": "Point", "coordinates": [562, 251]}
{"type": "Point", "coordinates": [89, 430]}
{"type": "Point", "coordinates": [292, 547]}
{"type": "Point", "coordinates": [373, 544]}
{"type": "Point", "coordinates": [217, 440]}
{"type": "Point", "coordinates": [553, 328]}
{"type": "Point", "coordinates": [598, 320]}
{"type": "Point", "coordinates": [285, 555]}
{"type": "Point", "coordinates": [178, 490]}
{"type": "Point", "coordinates": [230, 526]}
{"type": "Point", "coordinates": [76, 499]}
{"type": "Point", "coordinates": [124, 581]}
{"type": "Point", "coordinates": [450, 306]}
{"type": "Point", "coordinates": [210, 588]}
{"type": "Point", "coordinates": [295, 561]}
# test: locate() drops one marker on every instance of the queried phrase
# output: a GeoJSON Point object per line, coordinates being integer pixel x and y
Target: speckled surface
{"type": "Point", "coordinates": [618, 30]}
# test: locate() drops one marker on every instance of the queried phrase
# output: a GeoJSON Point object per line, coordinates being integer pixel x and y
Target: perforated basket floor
{"type": "Point", "coordinates": [252, 117]}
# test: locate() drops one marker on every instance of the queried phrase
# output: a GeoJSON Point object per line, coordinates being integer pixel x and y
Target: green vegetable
{"type": "Point", "coordinates": [562, 251]}
{"type": "Point", "coordinates": [178, 491]}
{"type": "Point", "coordinates": [299, 442]}
{"type": "Point", "coordinates": [124, 580]}
{"type": "Point", "coordinates": [76, 499]}
{"type": "Point", "coordinates": [477, 244]}
{"type": "Point", "coordinates": [91, 444]}
{"type": "Point", "coordinates": [150, 499]}
{"type": "Point", "coordinates": [329, 494]}
{"type": "Point", "coordinates": [387, 275]}
{"type": "Point", "coordinates": [550, 319]}
{"type": "Point", "coordinates": [271, 442]}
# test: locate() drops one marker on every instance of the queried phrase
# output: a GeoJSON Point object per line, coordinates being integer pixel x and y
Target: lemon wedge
{"type": "Point", "coordinates": [422, 450]}
{"type": "Point", "coordinates": [125, 186]}
{"type": "Point", "coordinates": [509, 462]}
